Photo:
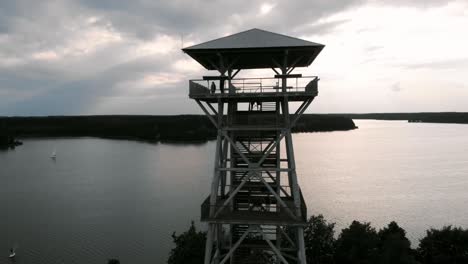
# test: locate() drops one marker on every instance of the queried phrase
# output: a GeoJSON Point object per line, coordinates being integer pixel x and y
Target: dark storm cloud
{"type": "Point", "coordinates": [209, 18]}
{"type": "Point", "coordinates": [56, 91]}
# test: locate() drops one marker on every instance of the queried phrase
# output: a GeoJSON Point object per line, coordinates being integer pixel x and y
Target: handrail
{"type": "Point", "coordinates": [306, 84]}
{"type": "Point", "coordinates": [265, 78]}
{"type": "Point", "coordinates": [251, 206]}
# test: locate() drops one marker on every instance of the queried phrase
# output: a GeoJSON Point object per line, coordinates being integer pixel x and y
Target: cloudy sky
{"type": "Point", "coordinates": [72, 57]}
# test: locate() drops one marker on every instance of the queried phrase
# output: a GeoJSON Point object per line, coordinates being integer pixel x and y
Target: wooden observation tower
{"type": "Point", "coordinates": [255, 211]}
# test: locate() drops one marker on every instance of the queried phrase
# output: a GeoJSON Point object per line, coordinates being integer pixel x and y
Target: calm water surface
{"type": "Point", "coordinates": [121, 199]}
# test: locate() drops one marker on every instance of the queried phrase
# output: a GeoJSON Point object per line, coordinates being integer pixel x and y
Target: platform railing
{"type": "Point", "coordinates": [305, 84]}
{"type": "Point", "coordinates": [257, 209]}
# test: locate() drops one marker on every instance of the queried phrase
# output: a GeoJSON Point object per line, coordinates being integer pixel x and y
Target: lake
{"type": "Point", "coordinates": [104, 199]}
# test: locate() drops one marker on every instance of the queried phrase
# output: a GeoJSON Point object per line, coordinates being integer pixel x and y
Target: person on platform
{"type": "Point", "coordinates": [213, 87]}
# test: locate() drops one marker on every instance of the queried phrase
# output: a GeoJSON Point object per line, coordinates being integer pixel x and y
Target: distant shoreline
{"type": "Point", "coordinates": [174, 129]}
{"type": "Point", "coordinates": [422, 117]}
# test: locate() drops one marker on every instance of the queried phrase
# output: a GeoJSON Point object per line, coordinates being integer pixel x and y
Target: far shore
{"type": "Point", "coordinates": [423, 117]}
{"type": "Point", "coordinates": [172, 129]}
{"type": "Point", "coordinates": [182, 128]}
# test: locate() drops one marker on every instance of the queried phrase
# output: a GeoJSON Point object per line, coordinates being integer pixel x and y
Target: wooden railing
{"type": "Point", "coordinates": [246, 208]}
{"type": "Point", "coordinates": [306, 84]}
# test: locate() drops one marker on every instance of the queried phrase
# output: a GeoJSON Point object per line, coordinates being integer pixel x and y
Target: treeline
{"type": "Point", "coordinates": [151, 128]}
{"type": "Point", "coordinates": [359, 243]}
{"type": "Point", "coordinates": [7, 137]}
{"type": "Point", "coordinates": [440, 117]}
{"type": "Point", "coordinates": [323, 123]}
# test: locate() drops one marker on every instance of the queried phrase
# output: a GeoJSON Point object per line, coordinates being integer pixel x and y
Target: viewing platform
{"type": "Point", "coordinates": [254, 89]}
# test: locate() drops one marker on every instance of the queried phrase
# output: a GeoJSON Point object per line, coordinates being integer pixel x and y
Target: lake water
{"type": "Point", "coordinates": [122, 199]}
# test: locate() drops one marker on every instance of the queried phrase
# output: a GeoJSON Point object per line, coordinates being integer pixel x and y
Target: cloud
{"type": "Point", "coordinates": [116, 56]}
{"type": "Point", "coordinates": [457, 63]}
{"type": "Point", "coordinates": [396, 87]}
{"type": "Point", "coordinates": [67, 57]}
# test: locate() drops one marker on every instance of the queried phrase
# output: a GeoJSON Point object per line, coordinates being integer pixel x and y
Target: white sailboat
{"type": "Point", "coordinates": [12, 253]}
{"type": "Point", "coordinates": [54, 154]}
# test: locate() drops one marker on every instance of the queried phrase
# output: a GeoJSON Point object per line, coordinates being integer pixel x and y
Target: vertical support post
{"type": "Point", "coordinates": [219, 237]}
{"type": "Point", "coordinates": [214, 186]}
{"type": "Point", "coordinates": [301, 250]}
{"type": "Point", "coordinates": [209, 244]}
{"type": "Point", "coordinates": [215, 182]}
{"type": "Point", "coordinates": [224, 165]}
{"type": "Point", "coordinates": [230, 86]}
{"type": "Point", "coordinates": [292, 164]}
{"type": "Point", "coordinates": [222, 70]}
{"type": "Point", "coordinates": [278, 180]}
{"type": "Point", "coordinates": [232, 174]}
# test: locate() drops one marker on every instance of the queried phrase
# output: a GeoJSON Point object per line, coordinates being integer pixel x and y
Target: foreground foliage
{"type": "Point", "coordinates": [190, 247]}
{"type": "Point", "coordinates": [358, 243]}
{"type": "Point", "coordinates": [448, 245]}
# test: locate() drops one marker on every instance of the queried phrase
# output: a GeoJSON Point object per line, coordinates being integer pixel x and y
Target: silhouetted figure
{"type": "Point", "coordinates": [213, 87]}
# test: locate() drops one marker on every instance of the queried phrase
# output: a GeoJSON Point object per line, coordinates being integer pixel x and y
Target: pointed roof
{"type": "Point", "coordinates": [253, 38]}
{"type": "Point", "coordinates": [254, 49]}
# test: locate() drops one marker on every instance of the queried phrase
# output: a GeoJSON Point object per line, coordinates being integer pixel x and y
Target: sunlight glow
{"type": "Point", "coordinates": [376, 47]}
{"type": "Point", "coordinates": [265, 8]}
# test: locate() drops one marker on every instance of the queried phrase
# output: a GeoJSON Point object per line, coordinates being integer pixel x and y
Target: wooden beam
{"type": "Point", "coordinates": [235, 73]}
{"type": "Point", "coordinates": [288, 75]}
{"type": "Point", "coordinates": [299, 112]}
{"type": "Point", "coordinates": [267, 152]}
{"type": "Point", "coordinates": [280, 187]}
{"type": "Point", "coordinates": [215, 78]}
{"type": "Point", "coordinates": [214, 65]}
{"type": "Point", "coordinates": [278, 198]}
{"type": "Point", "coordinates": [212, 109]}
{"type": "Point", "coordinates": [278, 253]}
{"type": "Point", "coordinates": [235, 246]}
{"type": "Point", "coordinates": [293, 65]}
{"type": "Point", "coordinates": [288, 237]}
{"type": "Point", "coordinates": [231, 196]}
{"type": "Point", "coordinates": [275, 70]}
{"type": "Point", "coordinates": [207, 114]}
{"type": "Point", "coordinates": [276, 63]}
{"type": "Point", "coordinates": [266, 169]}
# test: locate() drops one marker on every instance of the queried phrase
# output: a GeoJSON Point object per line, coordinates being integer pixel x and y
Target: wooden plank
{"type": "Point", "coordinates": [215, 78]}
{"type": "Point", "coordinates": [288, 75]}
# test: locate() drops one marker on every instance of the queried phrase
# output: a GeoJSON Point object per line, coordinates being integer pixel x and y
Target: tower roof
{"type": "Point", "coordinates": [253, 49]}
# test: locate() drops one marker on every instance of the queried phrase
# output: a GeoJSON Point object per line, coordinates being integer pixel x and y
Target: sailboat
{"type": "Point", "coordinates": [54, 154]}
{"type": "Point", "coordinates": [12, 253]}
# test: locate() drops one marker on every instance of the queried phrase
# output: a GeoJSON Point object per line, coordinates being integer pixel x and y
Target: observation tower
{"type": "Point", "coordinates": [255, 210]}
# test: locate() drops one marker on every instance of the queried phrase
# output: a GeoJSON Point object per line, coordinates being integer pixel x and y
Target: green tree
{"type": "Point", "coordinates": [448, 245]}
{"type": "Point", "coordinates": [394, 247]}
{"type": "Point", "coordinates": [357, 244]}
{"type": "Point", "coordinates": [189, 247]}
{"type": "Point", "coordinates": [319, 240]}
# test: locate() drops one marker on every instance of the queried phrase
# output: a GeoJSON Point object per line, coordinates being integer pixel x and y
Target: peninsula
{"type": "Point", "coordinates": [178, 128]}
{"type": "Point", "coordinates": [424, 117]}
